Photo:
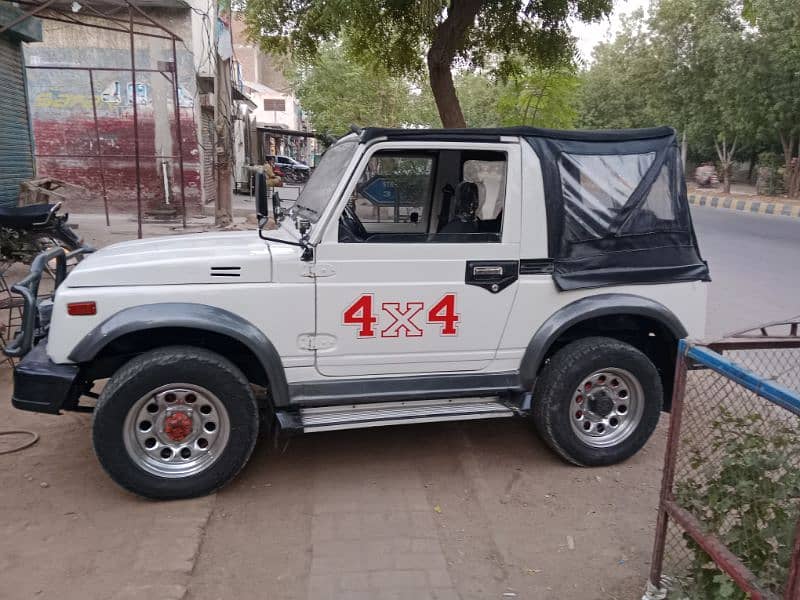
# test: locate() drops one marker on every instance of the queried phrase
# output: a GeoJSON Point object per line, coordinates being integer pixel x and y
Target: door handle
{"type": "Point", "coordinates": [491, 275]}
{"type": "Point", "coordinates": [496, 271]}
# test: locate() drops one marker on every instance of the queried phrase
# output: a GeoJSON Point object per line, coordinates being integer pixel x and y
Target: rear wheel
{"type": "Point", "coordinates": [597, 401]}
{"type": "Point", "coordinates": [176, 422]}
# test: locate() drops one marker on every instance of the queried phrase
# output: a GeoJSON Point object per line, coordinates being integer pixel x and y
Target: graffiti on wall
{"type": "Point", "coordinates": [111, 94]}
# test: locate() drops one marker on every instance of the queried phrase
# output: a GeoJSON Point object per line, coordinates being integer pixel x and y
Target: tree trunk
{"type": "Point", "coordinates": [684, 150]}
{"type": "Point", "coordinates": [752, 167]}
{"type": "Point", "coordinates": [725, 155]}
{"type": "Point", "coordinates": [448, 39]}
{"type": "Point", "coordinates": [788, 147]}
{"type": "Point", "coordinates": [791, 172]}
{"type": "Point", "coordinates": [444, 93]}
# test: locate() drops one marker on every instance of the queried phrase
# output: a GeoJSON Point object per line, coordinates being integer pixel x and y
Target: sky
{"type": "Point", "coordinates": [589, 35]}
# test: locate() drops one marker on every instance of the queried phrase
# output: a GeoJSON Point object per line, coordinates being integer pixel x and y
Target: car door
{"type": "Point", "coordinates": [408, 298]}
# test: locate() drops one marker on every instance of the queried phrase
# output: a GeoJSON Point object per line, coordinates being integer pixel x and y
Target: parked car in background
{"type": "Point", "coordinates": [293, 170]}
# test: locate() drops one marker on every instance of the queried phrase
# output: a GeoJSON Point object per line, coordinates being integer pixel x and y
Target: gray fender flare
{"type": "Point", "coordinates": [588, 308]}
{"type": "Point", "coordinates": [191, 316]}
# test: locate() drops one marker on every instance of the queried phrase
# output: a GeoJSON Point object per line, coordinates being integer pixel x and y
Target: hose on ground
{"type": "Point", "coordinates": [34, 438]}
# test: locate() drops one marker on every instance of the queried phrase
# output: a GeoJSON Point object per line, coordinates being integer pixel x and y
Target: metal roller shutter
{"type": "Point", "coordinates": [16, 153]}
{"type": "Point", "coordinates": [207, 140]}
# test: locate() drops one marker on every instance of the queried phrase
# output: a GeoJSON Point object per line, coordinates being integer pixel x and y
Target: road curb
{"type": "Point", "coordinates": [757, 206]}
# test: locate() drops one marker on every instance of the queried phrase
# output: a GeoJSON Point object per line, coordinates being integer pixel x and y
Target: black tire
{"type": "Point", "coordinates": [150, 371]}
{"type": "Point", "coordinates": [555, 392]}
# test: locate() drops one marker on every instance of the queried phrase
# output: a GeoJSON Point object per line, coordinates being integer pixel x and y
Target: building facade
{"type": "Point", "coordinates": [81, 91]}
{"type": "Point", "coordinates": [278, 118]}
{"type": "Point", "coordinates": [16, 139]}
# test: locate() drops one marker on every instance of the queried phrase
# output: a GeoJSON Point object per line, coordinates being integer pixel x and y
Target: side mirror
{"type": "Point", "coordinates": [262, 206]}
{"type": "Point", "coordinates": [277, 209]}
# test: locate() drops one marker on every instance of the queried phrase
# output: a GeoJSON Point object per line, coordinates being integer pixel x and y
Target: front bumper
{"type": "Point", "coordinates": [33, 327]}
{"type": "Point", "coordinates": [41, 385]}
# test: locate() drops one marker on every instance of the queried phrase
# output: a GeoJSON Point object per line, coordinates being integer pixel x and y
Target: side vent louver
{"type": "Point", "coordinates": [225, 271]}
{"type": "Point", "coordinates": [535, 266]}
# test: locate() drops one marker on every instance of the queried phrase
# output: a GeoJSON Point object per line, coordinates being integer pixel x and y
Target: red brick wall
{"type": "Point", "coordinates": [76, 136]}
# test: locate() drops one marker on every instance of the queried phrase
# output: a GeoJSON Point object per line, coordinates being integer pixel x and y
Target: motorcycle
{"type": "Point", "coordinates": [26, 231]}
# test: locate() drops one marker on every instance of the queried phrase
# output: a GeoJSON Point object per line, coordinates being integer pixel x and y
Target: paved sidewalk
{"type": "Point", "coordinates": [374, 536]}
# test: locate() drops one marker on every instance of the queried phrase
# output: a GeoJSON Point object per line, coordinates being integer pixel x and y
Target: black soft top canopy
{"type": "Point", "coordinates": [494, 134]}
{"type": "Point", "coordinates": [617, 210]}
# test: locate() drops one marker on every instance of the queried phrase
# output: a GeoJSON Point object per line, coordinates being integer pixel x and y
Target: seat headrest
{"type": "Point", "coordinates": [467, 200]}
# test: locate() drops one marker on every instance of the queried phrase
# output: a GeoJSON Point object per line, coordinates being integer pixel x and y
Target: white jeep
{"type": "Point", "coordinates": [421, 275]}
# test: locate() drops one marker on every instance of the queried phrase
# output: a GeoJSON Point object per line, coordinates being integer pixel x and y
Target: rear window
{"type": "Point", "coordinates": [596, 189]}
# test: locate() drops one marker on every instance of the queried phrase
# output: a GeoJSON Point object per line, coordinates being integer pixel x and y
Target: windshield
{"type": "Point", "coordinates": [323, 181]}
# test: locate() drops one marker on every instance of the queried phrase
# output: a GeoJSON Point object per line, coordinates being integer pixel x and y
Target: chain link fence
{"type": "Point", "coordinates": [729, 516]}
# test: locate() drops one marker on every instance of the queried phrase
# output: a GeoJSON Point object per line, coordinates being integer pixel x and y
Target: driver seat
{"type": "Point", "coordinates": [466, 207]}
{"type": "Point", "coordinates": [24, 217]}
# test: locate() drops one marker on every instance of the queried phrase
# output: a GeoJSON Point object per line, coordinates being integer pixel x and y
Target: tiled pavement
{"type": "Point", "coordinates": [375, 538]}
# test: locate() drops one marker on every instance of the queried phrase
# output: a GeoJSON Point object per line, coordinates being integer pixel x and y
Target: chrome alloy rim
{"type": "Point", "coordinates": [176, 430]}
{"type": "Point", "coordinates": [606, 407]}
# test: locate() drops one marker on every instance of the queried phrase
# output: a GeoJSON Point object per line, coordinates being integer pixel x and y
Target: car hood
{"type": "Point", "coordinates": [221, 258]}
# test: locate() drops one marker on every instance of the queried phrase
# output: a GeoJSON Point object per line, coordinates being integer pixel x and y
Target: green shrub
{"type": "Point", "coordinates": [750, 500]}
{"type": "Point", "coordinates": [770, 174]}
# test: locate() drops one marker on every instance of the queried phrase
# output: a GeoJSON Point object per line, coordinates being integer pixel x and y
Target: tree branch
{"type": "Point", "coordinates": [542, 94]}
{"type": "Point", "coordinates": [448, 39]}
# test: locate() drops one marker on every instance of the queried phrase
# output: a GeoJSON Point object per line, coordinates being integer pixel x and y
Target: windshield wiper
{"type": "Point", "coordinates": [301, 243]}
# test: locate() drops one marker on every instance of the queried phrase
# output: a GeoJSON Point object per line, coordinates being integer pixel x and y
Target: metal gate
{"type": "Point", "coordinates": [15, 134]}
{"type": "Point", "coordinates": [729, 517]}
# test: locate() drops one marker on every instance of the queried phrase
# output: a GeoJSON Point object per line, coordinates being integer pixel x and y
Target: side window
{"type": "Point", "coordinates": [393, 196]}
{"type": "Point", "coordinates": [490, 177]}
{"type": "Point", "coordinates": [452, 196]}
{"type": "Point", "coordinates": [473, 210]}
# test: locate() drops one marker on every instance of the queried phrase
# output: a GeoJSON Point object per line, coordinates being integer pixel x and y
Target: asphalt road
{"type": "Point", "coordinates": [755, 268]}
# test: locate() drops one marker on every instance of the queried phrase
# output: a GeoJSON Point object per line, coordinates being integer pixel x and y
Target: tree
{"type": "Point", "coordinates": [775, 64]}
{"type": "Point", "coordinates": [687, 65]}
{"type": "Point", "coordinates": [704, 47]}
{"type": "Point", "coordinates": [337, 92]}
{"type": "Point", "coordinates": [620, 90]}
{"type": "Point", "coordinates": [404, 35]}
{"type": "Point", "coordinates": [478, 96]}
{"type": "Point", "coordinates": [541, 97]}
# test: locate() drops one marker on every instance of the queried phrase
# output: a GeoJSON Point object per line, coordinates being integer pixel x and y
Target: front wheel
{"type": "Point", "coordinates": [175, 422]}
{"type": "Point", "coordinates": [597, 401]}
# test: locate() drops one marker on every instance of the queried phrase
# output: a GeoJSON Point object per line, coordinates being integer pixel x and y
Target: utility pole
{"type": "Point", "coordinates": [222, 123]}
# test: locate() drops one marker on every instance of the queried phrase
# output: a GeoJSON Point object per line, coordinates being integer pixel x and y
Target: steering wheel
{"type": "Point", "coordinates": [352, 225]}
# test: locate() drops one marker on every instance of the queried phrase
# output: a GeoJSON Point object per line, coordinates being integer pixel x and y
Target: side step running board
{"type": "Point", "coordinates": [391, 413]}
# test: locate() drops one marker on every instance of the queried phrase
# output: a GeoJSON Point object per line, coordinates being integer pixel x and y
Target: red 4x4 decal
{"type": "Point", "coordinates": [402, 315]}
{"type": "Point", "coordinates": [360, 313]}
{"type": "Point", "coordinates": [445, 312]}
{"type": "Point", "coordinates": [403, 320]}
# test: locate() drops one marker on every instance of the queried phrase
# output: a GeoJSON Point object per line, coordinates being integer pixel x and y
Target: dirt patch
{"type": "Point", "coordinates": [462, 510]}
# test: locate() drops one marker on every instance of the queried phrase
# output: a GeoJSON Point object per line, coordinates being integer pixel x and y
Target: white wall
{"type": "Point", "coordinates": [204, 18]}
{"type": "Point", "coordinates": [287, 118]}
